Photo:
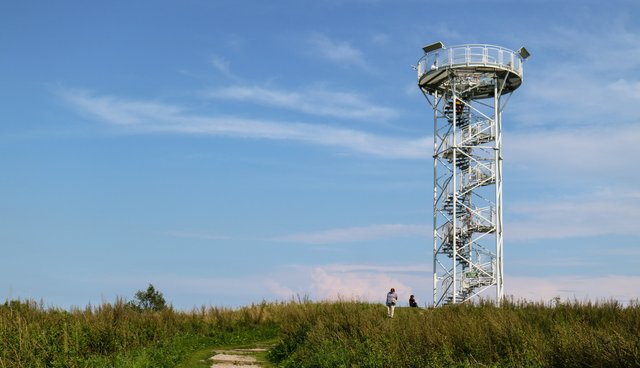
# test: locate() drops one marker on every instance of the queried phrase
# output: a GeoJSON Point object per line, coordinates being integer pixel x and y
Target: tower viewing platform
{"type": "Point", "coordinates": [475, 60]}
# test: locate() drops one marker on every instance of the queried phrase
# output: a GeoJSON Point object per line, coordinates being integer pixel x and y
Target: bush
{"type": "Point", "coordinates": [149, 300]}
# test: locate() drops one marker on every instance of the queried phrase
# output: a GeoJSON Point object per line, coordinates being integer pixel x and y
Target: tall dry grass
{"type": "Point", "coordinates": [326, 334]}
{"type": "Point", "coordinates": [118, 335]}
{"type": "Point", "coordinates": [517, 334]}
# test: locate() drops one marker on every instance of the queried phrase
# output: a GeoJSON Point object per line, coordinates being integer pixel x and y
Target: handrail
{"type": "Point", "coordinates": [470, 55]}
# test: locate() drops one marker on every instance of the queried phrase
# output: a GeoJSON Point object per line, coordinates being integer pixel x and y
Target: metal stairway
{"type": "Point", "coordinates": [474, 172]}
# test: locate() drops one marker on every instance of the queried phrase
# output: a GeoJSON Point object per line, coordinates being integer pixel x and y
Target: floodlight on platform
{"type": "Point", "coordinates": [523, 53]}
{"type": "Point", "coordinates": [432, 47]}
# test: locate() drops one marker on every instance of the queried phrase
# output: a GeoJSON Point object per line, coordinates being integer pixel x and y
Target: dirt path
{"type": "Point", "coordinates": [237, 358]}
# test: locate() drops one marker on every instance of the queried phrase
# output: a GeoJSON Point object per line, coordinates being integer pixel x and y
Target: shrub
{"type": "Point", "coordinates": [149, 300]}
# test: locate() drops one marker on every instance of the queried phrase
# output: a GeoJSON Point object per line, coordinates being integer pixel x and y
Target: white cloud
{"type": "Point", "coordinates": [595, 214]}
{"type": "Point", "coordinates": [593, 163]}
{"type": "Point", "coordinates": [353, 281]}
{"type": "Point", "coordinates": [280, 291]}
{"type": "Point", "coordinates": [338, 52]}
{"type": "Point", "coordinates": [368, 283]}
{"type": "Point", "coordinates": [599, 213]}
{"type": "Point", "coordinates": [573, 287]}
{"type": "Point", "coordinates": [118, 111]}
{"type": "Point", "coordinates": [355, 286]}
{"type": "Point", "coordinates": [359, 234]}
{"type": "Point", "coordinates": [627, 88]}
{"type": "Point", "coordinates": [222, 65]}
{"type": "Point", "coordinates": [318, 282]}
{"type": "Point", "coordinates": [575, 95]}
{"type": "Point", "coordinates": [313, 101]}
{"type": "Point", "coordinates": [369, 268]}
{"type": "Point", "coordinates": [371, 282]}
{"type": "Point", "coordinates": [582, 84]}
{"type": "Point", "coordinates": [151, 117]}
{"type": "Point", "coordinates": [187, 291]}
{"type": "Point", "coordinates": [613, 43]}
{"type": "Point", "coordinates": [607, 149]}
{"type": "Point", "coordinates": [380, 39]}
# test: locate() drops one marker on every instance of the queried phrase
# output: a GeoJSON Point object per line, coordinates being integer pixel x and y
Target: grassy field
{"type": "Point", "coordinates": [324, 334]}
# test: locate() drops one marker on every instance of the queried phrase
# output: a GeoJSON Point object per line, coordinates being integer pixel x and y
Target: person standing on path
{"type": "Point", "coordinates": [392, 298]}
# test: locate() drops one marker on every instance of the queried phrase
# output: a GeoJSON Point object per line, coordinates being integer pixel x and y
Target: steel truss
{"type": "Point", "coordinates": [467, 102]}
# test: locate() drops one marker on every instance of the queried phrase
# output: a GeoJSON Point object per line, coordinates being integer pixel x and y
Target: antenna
{"type": "Point", "coordinates": [464, 85]}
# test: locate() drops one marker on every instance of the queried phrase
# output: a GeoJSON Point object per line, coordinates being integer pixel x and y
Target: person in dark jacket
{"type": "Point", "coordinates": [412, 301]}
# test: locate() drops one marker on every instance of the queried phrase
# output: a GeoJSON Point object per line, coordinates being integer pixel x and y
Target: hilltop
{"type": "Point", "coordinates": [324, 334]}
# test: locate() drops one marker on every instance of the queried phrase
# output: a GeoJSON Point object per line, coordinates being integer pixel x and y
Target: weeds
{"type": "Point", "coordinates": [514, 335]}
{"type": "Point", "coordinates": [118, 335]}
{"type": "Point", "coordinates": [326, 334]}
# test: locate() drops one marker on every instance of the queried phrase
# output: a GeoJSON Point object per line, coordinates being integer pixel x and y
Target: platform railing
{"type": "Point", "coordinates": [470, 55]}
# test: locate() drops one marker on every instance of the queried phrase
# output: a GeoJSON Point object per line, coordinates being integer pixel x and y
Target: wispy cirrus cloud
{"type": "Point", "coordinates": [120, 112]}
{"type": "Point", "coordinates": [359, 234]}
{"type": "Point", "coordinates": [337, 52]}
{"type": "Point", "coordinates": [584, 84]}
{"type": "Point", "coordinates": [593, 214]}
{"type": "Point", "coordinates": [563, 96]}
{"type": "Point", "coordinates": [142, 117]}
{"type": "Point", "coordinates": [222, 65]}
{"type": "Point", "coordinates": [380, 39]}
{"type": "Point", "coordinates": [613, 41]}
{"type": "Point", "coordinates": [576, 151]}
{"type": "Point", "coordinates": [587, 215]}
{"type": "Point", "coordinates": [319, 102]}
{"type": "Point", "coordinates": [580, 153]}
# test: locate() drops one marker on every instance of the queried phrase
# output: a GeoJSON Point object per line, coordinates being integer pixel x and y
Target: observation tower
{"type": "Point", "coordinates": [468, 87]}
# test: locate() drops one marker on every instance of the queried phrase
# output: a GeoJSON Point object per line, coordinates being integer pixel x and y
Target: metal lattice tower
{"type": "Point", "coordinates": [468, 87]}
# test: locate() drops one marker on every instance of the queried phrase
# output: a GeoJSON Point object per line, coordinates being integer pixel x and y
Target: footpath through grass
{"type": "Point", "coordinates": [336, 334]}
{"type": "Point", "coordinates": [117, 335]}
{"type": "Point", "coordinates": [203, 349]}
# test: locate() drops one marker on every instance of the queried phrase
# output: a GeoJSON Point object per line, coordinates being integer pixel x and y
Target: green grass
{"type": "Point", "coordinates": [324, 334]}
{"type": "Point", "coordinates": [117, 335]}
{"type": "Point", "coordinates": [514, 335]}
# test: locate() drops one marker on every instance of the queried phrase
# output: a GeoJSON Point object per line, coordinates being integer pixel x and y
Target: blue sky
{"type": "Point", "coordinates": [233, 151]}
